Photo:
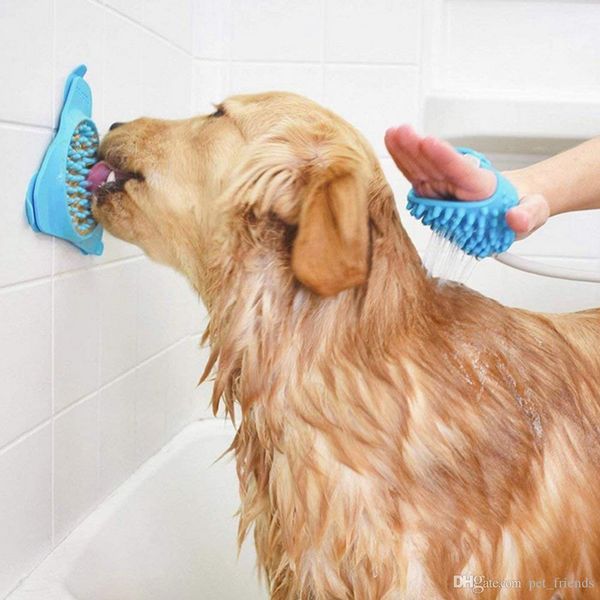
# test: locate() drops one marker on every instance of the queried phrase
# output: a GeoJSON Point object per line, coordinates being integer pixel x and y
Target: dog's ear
{"type": "Point", "coordinates": [330, 251]}
{"type": "Point", "coordinates": [311, 180]}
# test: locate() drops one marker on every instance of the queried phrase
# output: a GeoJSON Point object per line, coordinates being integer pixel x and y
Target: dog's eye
{"type": "Point", "coordinates": [218, 113]}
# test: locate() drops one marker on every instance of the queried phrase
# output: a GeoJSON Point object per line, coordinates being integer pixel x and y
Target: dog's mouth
{"type": "Point", "coordinates": [104, 179]}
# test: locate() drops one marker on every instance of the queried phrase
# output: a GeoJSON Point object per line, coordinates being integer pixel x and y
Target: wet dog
{"type": "Point", "coordinates": [398, 434]}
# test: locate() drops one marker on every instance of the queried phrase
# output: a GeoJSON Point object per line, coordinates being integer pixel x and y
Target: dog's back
{"type": "Point", "coordinates": [531, 412]}
{"type": "Point", "coordinates": [467, 444]}
{"type": "Point", "coordinates": [582, 330]}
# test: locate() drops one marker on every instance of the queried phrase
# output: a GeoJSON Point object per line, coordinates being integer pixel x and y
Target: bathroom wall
{"type": "Point", "coordinates": [99, 358]}
{"type": "Point", "coordinates": [99, 355]}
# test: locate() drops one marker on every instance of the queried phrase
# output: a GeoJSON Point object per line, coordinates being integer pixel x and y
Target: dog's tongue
{"type": "Point", "coordinates": [98, 175]}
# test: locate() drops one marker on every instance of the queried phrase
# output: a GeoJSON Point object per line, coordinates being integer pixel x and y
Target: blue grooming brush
{"type": "Point", "coordinates": [478, 228]}
{"type": "Point", "coordinates": [58, 202]}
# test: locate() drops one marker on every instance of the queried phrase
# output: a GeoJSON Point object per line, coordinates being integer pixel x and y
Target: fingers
{"type": "Point", "coordinates": [531, 213]}
{"type": "Point", "coordinates": [435, 169]}
{"type": "Point", "coordinates": [393, 143]}
{"type": "Point", "coordinates": [464, 178]}
{"type": "Point", "coordinates": [402, 143]}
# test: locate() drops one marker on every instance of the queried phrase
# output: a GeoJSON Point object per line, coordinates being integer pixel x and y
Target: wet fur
{"type": "Point", "coordinates": [393, 434]}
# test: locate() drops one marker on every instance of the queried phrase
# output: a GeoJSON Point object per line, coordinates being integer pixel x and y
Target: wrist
{"type": "Point", "coordinates": [520, 181]}
{"type": "Point", "coordinates": [526, 185]}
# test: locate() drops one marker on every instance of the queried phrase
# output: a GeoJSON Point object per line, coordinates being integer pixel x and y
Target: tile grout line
{"type": "Point", "coordinates": [11, 287]}
{"type": "Point", "coordinates": [317, 62]}
{"type": "Point", "coordinates": [141, 66]}
{"type": "Point", "coordinates": [138, 276]}
{"type": "Point", "coordinates": [213, 61]}
{"type": "Point", "coordinates": [52, 394]}
{"type": "Point", "coordinates": [192, 67]}
{"type": "Point", "coordinates": [21, 285]}
{"type": "Point", "coordinates": [420, 66]}
{"type": "Point", "coordinates": [101, 308]}
{"type": "Point", "coordinates": [52, 319]}
{"type": "Point", "coordinates": [99, 266]}
{"type": "Point", "coordinates": [102, 386]}
{"type": "Point", "coordinates": [323, 38]}
{"type": "Point", "coordinates": [103, 66]}
{"type": "Point", "coordinates": [143, 26]}
{"type": "Point", "coordinates": [25, 435]}
{"type": "Point", "coordinates": [23, 126]}
{"type": "Point", "coordinates": [229, 50]}
{"type": "Point", "coordinates": [192, 38]}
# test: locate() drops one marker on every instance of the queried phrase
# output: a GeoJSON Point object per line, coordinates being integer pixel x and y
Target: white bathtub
{"type": "Point", "coordinates": [168, 533]}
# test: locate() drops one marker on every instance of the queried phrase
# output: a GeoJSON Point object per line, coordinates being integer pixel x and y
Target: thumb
{"type": "Point", "coordinates": [531, 213]}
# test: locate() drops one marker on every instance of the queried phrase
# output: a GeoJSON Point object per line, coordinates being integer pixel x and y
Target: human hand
{"type": "Point", "coordinates": [436, 170]}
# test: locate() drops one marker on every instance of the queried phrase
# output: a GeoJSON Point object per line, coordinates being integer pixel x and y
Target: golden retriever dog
{"type": "Point", "coordinates": [400, 436]}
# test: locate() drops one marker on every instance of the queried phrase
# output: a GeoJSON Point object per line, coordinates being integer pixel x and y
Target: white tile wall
{"type": "Point", "coordinates": [210, 85]}
{"type": "Point", "coordinates": [97, 357]}
{"type": "Point", "coordinates": [26, 365]}
{"type": "Point", "coordinates": [26, 68]}
{"type": "Point", "coordinates": [116, 426]}
{"type": "Point", "coordinates": [150, 411]}
{"type": "Point", "coordinates": [172, 20]}
{"type": "Point", "coordinates": [563, 35]}
{"type": "Point", "coordinates": [24, 254]}
{"type": "Point", "coordinates": [212, 29]}
{"type": "Point", "coordinates": [118, 287]}
{"type": "Point", "coordinates": [75, 44]}
{"type": "Point", "coordinates": [161, 292]}
{"type": "Point", "coordinates": [373, 97]}
{"type": "Point", "coordinates": [300, 78]}
{"type": "Point", "coordinates": [25, 502]}
{"type": "Point", "coordinates": [122, 78]}
{"type": "Point", "coordinates": [76, 336]}
{"type": "Point", "coordinates": [75, 464]}
{"type": "Point", "coordinates": [100, 355]}
{"type": "Point", "coordinates": [277, 30]}
{"type": "Point", "coordinates": [134, 9]}
{"type": "Point", "coordinates": [369, 32]}
{"type": "Point", "coordinates": [166, 80]}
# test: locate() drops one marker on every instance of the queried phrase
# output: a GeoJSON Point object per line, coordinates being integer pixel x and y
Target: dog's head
{"type": "Point", "coordinates": [275, 169]}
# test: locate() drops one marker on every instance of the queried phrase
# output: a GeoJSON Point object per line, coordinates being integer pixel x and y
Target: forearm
{"type": "Point", "coordinates": [569, 181]}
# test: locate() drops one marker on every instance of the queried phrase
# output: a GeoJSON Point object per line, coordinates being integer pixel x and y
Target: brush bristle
{"type": "Point", "coordinates": [81, 157]}
{"type": "Point", "coordinates": [479, 231]}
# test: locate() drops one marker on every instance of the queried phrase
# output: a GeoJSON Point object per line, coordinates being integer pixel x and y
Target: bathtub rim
{"type": "Point", "coordinates": [50, 575]}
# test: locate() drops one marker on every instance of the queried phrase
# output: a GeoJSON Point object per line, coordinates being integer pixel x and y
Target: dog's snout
{"type": "Point", "coordinates": [115, 125]}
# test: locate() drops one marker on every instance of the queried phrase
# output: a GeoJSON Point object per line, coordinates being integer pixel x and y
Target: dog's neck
{"type": "Point", "coordinates": [264, 323]}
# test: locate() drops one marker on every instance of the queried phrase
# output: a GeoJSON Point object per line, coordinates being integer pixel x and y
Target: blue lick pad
{"type": "Point", "coordinates": [58, 202]}
{"type": "Point", "coordinates": [478, 228]}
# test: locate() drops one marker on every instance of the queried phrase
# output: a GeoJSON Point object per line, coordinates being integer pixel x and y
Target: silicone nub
{"type": "Point", "coordinates": [81, 156]}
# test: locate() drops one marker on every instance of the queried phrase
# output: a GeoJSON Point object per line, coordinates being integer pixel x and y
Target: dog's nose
{"type": "Point", "coordinates": [115, 125]}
